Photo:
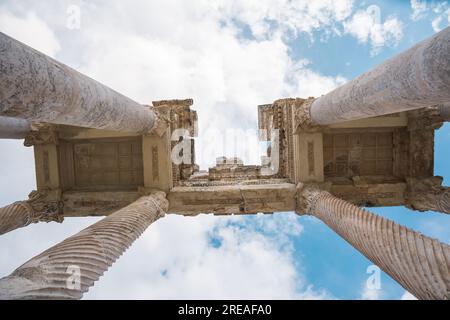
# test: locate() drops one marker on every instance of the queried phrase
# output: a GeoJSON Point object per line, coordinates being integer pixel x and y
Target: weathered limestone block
{"type": "Point", "coordinates": [428, 194]}
{"type": "Point", "coordinates": [416, 78]}
{"type": "Point", "coordinates": [38, 208]}
{"type": "Point", "coordinates": [232, 199]}
{"type": "Point", "coordinates": [418, 263]}
{"type": "Point", "coordinates": [444, 111]}
{"type": "Point", "coordinates": [302, 115]}
{"type": "Point", "coordinates": [96, 203]}
{"type": "Point", "coordinates": [421, 126]}
{"type": "Point", "coordinates": [13, 128]}
{"type": "Point", "coordinates": [70, 268]}
{"type": "Point", "coordinates": [37, 88]}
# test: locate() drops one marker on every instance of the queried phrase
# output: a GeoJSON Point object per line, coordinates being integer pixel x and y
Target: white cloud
{"type": "Point", "coordinates": [419, 8]}
{"type": "Point", "coordinates": [440, 12]}
{"type": "Point", "coordinates": [305, 82]}
{"type": "Point", "coordinates": [370, 294]}
{"type": "Point", "coordinates": [179, 257]}
{"type": "Point", "coordinates": [291, 17]}
{"type": "Point", "coordinates": [441, 21]}
{"type": "Point", "coordinates": [436, 23]}
{"type": "Point", "coordinates": [30, 30]}
{"type": "Point", "coordinates": [367, 27]}
{"type": "Point", "coordinates": [16, 172]}
{"type": "Point", "coordinates": [407, 296]}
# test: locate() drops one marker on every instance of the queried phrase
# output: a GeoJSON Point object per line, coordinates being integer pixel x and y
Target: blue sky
{"type": "Point", "coordinates": [229, 56]}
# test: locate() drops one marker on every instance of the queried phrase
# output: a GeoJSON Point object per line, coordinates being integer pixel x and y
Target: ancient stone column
{"type": "Point", "coordinates": [418, 263]}
{"type": "Point", "coordinates": [37, 88]}
{"type": "Point", "coordinates": [22, 213]}
{"type": "Point", "coordinates": [13, 128]}
{"type": "Point", "coordinates": [416, 78]}
{"type": "Point", "coordinates": [428, 194]}
{"type": "Point", "coordinates": [70, 268]}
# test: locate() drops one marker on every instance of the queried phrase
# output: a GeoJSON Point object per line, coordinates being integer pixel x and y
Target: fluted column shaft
{"type": "Point", "coordinates": [36, 87]}
{"type": "Point", "coordinates": [13, 128]}
{"type": "Point", "coordinates": [16, 215]}
{"type": "Point", "coordinates": [418, 263]}
{"type": "Point", "coordinates": [36, 209]}
{"type": "Point", "coordinates": [70, 268]}
{"type": "Point", "coordinates": [416, 78]}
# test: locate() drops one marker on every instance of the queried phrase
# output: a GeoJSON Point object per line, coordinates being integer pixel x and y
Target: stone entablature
{"type": "Point", "coordinates": [367, 162]}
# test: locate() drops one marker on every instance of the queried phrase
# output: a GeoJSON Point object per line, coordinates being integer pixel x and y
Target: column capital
{"type": "Point", "coordinates": [162, 120]}
{"type": "Point", "coordinates": [427, 194]}
{"type": "Point", "coordinates": [45, 206]}
{"type": "Point", "coordinates": [175, 114]}
{"type": "Point", "coordinates": [307, 195]}
{"type": "Point", "coordinates": [41, 133]}
{"type": "Point", "coordinates": [159, 199]}
{"type": "Point", "coordinates": [428, 118]}
{"type": "Point", "coordinates": [302, 115]}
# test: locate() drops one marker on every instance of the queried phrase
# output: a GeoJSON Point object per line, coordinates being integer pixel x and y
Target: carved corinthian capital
{"type": "Point", "coordinates": [41, 133]}
{"type": "Point", "coordinates": [428, 194]}
{"type": "Point", "coordinates": [44, 208]}
{"type": "Point", "coordinates": [302, 115]}
{"type": "Point", "coordinates": [307, 195]}
{"type": "Point", "coordinates": [162, 120]}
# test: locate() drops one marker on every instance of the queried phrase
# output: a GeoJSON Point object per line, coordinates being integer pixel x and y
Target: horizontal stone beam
{"type": "Point", "coordinates": [13, 128]}
{"type": "Point", "coordinates": [416, 78]}
{"type": "Point", "coordinates": [38, 88]}
{"type": "Point", "coordinates": [226, 199]}
{"type": "Point", "coordinates": [223, 200]}
{"type": "Point", "coordinates": [189, 201]}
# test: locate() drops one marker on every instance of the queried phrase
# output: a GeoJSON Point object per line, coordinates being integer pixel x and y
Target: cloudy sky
{"type": "Point", "coordinates": [229, 56]}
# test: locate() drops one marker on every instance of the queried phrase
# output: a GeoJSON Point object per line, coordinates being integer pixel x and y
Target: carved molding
{"type": "Point", "coordinates": [44, 207]}
{"type": "Point", "coordinates": [174, 102]}
{"type": "Point", "coordinates": [302, 115]}
{"type": "Point", "coordinates": [41, 133]}
{"type": "Point", "coordinates": [307, 195]}
{"type": "Point", "coordinates": [425, 119]}
{"type": "Point", "coordinates": [162, 120]}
